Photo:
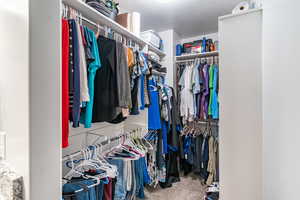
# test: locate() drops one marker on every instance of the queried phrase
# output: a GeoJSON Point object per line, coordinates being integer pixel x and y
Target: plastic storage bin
{"type": "Point", "coordinates": [151, 37]}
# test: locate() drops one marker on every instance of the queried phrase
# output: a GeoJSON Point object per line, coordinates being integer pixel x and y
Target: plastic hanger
{"type": "Point", "coordinates": [85, 162]}
{"type": "Point", "coordinates": [98, 31]}
{"type": "Point", "coordinates": [110, 170]}
{"type": "Point", "coordinates": [134, 145]}
{"type": "Point", "coordinates": [75, 171]}
{"type": "Point", "coordinates": [113, 153]}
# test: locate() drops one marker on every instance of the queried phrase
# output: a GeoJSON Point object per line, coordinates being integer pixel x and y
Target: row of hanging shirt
{"type": "Point", "coordinates": [163, 134]}
{"type": "Point", "coordinates": [200, 151]}
{"type": "Point", "coordinates": [198, 90]}
{"type": "Point", "coordinates": [102, 79]}
{"type": "Point", "coordinates": [118, 174]}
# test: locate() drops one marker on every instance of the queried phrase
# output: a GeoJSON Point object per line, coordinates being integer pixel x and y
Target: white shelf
{"type": "Point", "coordinates": [241, 13]}
{"type": "Point", "coordinates": [97, 17]}
{"type": "Point", "coordinates": [197, 55]}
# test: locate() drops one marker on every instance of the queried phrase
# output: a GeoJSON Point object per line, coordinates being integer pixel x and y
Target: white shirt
{"type": "Point", "coordinates": [187, 108]}
{"type": "Point", "coordinates": [84, 89]}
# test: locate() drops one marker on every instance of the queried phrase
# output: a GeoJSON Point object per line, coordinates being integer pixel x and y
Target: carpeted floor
{"type": "Point", "coordinates": [188, 188]}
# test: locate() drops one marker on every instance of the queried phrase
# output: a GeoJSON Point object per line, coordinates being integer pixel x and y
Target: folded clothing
{"type": "Point", "coordinates": [102, 8]}
{"type": "Point", "coordinates": [153, 56]}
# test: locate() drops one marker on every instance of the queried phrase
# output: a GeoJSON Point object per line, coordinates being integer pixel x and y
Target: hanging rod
{"type": "Point", "coordinates": [101, 144]}
{"type": "Point", "coordinates": [68, 10]}
{"type": "Point", "coordinates": [183, 61]}
{"type": "Point", "coordinates": [197, 55]}
{"type": "Point", "coordinates": [91, 22]}
{"type": "Point", "coordinates": [207, 122]}
{"type": "Point", "coordinates": [97, 18]}
{"type": "Point", "coordinates": [106, 28]}
{"type": "Point", "coordinates": [93, 14]}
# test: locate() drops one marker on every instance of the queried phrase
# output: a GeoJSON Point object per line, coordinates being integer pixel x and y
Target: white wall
{"type": "Point", "coordinates": [45, 100]}
{"type": "Point", "coordinates": [241, 107]}
{"type": "Point", "coordinates": [168, 62]}
{"type": "Point", "coordinates": [281, 97]}
{"type": "Point", "coordinates": [14, 84]}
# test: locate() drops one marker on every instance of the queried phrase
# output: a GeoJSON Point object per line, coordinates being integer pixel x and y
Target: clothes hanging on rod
{"type": "Point", "coordinates": [200, 152]}
{"type": "Point", "coordinates": [198, 89]}
{"type": "Point", "coordinates": [119, 173]}
{"type": "Point", "coordinates": [94, 66]}
{"type": "Point", "coordinates": [101, 76]}
{"type": "Point", "coordinates": [163, 125]}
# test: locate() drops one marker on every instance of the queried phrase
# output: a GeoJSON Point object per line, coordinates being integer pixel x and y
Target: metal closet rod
{"type": "Point", "coordinates": [205, 122]}
{"type": "Point", "coordinates": [191, 60]}
{"type": "Point", "coordinates": [79, 15]}
{"type": "Point", "coordinates": [211, 123]}
{"type": "Point", "coordinates": [91, 22]}
{"type": "Point", "coordinates": [101, 144]}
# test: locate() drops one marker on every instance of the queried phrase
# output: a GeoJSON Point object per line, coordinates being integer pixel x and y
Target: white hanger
{"type": "Point", "coordinates": [112, 170]}
{"type": "Point", "coordinates": [75, 170]}
{"type": "Point", "coordinates": [98, 31]}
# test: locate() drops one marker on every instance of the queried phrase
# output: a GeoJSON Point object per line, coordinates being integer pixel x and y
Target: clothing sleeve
{"type": "Point", "coordinates": [84, 90]}
{"type": "Point", "coordinates": [211, 76]}
{"type": "Point", "coordinates": [97, 62]}
{"type": "Point", "coordinates": [196, 80]}
{"type": "Point", "coordinates": [182, 79]}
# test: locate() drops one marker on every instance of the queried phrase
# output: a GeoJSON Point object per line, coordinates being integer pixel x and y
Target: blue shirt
{"type": "Point", "coordinates": [154, 122]}
{"type": "Point", "coordinates": [215, 100]}
{"type": "Point", "coordinates": [92, 69]}
{"type": "Point", "coordinates": [76, 78]}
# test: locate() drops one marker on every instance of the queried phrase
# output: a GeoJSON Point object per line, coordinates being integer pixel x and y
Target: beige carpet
{"type": "Point", "coordinates": [187, 189]}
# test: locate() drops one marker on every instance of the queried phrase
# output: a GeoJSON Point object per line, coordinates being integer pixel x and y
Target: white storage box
{"type": "Point", "coordinates": [151, 37]}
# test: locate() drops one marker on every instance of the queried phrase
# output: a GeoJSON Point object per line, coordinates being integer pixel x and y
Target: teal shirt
{"type": "Point", "coordinates": [215, 98]}
{"type": "Point", "coordinates": [87, 116]}
{"type": "Point", "coordinates": [211, 88]}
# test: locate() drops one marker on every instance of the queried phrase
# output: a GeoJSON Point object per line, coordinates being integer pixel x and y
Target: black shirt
{"type": "Point", "coordinates": [106, 96]}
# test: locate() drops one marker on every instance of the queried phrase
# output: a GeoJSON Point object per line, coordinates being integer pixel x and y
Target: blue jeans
{"type": "Point", "coordinates": [189, 146]}
{"type": "Point", "coordinates": [120, 188]}
{"type": "Point", "coordinates": [86, 194]}
{"type": "Point", "coordinates": [146, 177]}
{"type": "Point", "coordinates": [139, 177]}
{"type": "Point", "coordinates": [131, 193]}
{"type": "Point", "coordinates": [99, 190]}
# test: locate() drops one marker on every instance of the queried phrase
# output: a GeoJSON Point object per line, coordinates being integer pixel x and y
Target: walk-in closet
{"type": "Point", "coordinates": [157, 100]}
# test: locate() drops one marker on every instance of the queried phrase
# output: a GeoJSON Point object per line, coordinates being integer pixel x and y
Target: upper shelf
{"type": "Point", "coordinates": [197, 55]}
{"type": "Point", "coordinates": [240, 13]}
{"type": "Point", "coordinates": [97, 17]}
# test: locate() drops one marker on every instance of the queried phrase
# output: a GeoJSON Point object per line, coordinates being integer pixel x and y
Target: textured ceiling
{"type": "Point", "coordinates": [187, 17]}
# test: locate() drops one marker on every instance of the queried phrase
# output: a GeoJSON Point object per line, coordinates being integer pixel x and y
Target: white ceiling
{"type": "Point", "coordinates": [187, 17]}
